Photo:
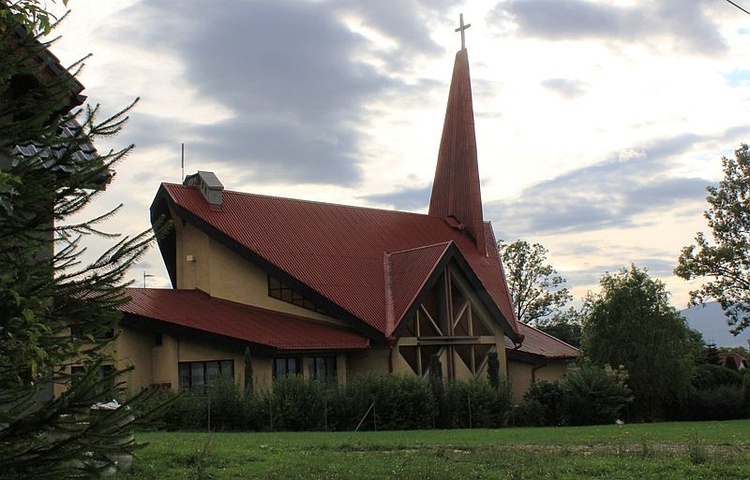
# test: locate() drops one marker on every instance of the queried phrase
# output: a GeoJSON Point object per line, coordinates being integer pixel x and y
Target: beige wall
{"type": "Point", "coordinates": [523, 374]}
{"type": "Point", "coordinates": [223, 274]}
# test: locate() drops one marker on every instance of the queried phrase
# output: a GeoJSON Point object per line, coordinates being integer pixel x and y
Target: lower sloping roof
{"type": "Point", "coordinates": [542, 345]}
{"type": "Point", "coordinates": [198, 312]}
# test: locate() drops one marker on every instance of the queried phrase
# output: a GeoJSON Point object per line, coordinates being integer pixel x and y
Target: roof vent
{"type": "Point", "coordinates": [208, 184]}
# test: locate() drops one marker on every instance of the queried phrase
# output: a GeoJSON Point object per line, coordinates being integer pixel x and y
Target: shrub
{"type": "Point", "coordinates": [594, 395]}
{"type": "Point", "coordinates": [709, 376]}
{"type": "Point", "coordinates": [546, 401]}
{"type": "Point", "coordinates": [723, 402]}
{"type": "Point", "coordinates": [399, 402]}
{"type": "Point", "coordinates": [475, 404]}
{"type": "Point", "coordinates": [294, 403]}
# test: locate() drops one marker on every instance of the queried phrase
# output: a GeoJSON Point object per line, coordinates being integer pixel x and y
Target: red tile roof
{"type": "Point", "coordinates": [542, 344]}
{"type": "Point", "coordinates": [196, 310]}
{"type": "Point", "coordinates": [338, 251]}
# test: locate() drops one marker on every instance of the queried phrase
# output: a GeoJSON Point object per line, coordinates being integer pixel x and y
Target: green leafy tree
{"type": "Point", "coordinates": [724, 263]}
{"type": "Point", "coordinates": [56, 307]}
{"type": "Point", "coordinates": [565, 325]}
{"type": "Point", "coordinates": [631, 323]}
{"type": "Point", "coordinates": [535, 286]}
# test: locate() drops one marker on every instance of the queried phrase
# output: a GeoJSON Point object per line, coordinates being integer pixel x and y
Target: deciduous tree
{"type": "Point", "coordinates": [724, 262]}
{"type": "Point", "coordinates": [631, 323]}
{"type": "Point", "coordinates": [535, 286]}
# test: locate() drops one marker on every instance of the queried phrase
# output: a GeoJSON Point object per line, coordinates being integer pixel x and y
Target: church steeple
{"type": "Point", "coordinates": [455, 191]}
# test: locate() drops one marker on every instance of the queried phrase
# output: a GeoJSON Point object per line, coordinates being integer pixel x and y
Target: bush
{"type": "Point", "coordinates": [294, 404]}
{"type": "Point", "coordinates": [399, 402]}
{"type": "Point", "coordinates": [475, 404]}
{"type": "Point", "coordinates": [594, 395]}
{"type": "Point", "coordinates": [546, 404]}
{"type": "Point", "coordinates": [723, 402]}
{"type": "Point", "coordinates": [708, 376]}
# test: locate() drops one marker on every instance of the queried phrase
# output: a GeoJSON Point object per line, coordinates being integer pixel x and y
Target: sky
{"type": "Point", "coordinates": [599, 122]}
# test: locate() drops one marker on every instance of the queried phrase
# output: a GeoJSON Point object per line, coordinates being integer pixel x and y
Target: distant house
{"type": "Point", "coordinates": [733, 360]}
{"type": "Point", "coordinates": [328, 291]}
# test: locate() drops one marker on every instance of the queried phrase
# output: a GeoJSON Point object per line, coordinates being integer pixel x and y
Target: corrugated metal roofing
{"type": "Point", "coordinates": [542, 344]}
{"type": "Point", "coordinates": [337, 250]}
{"type": "Point", "coordinates": [196, 310]}
{"type": "Point", "coordinates": [407, 272]}
{"type": "Point", "coordinates": [455, 190]}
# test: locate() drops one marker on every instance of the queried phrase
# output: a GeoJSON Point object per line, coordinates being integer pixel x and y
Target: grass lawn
{"type": "Point", "coordinates": [705, 450]}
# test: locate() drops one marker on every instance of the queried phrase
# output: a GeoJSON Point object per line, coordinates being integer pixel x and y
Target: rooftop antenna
{"type": "Point", "coordinates": [145, 276]}
{"type": "Point", "coordinates": [182, 164]}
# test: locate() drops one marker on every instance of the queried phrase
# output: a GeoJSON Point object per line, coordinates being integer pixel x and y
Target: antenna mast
{"type": "Point", "coordinates": [182, 164]}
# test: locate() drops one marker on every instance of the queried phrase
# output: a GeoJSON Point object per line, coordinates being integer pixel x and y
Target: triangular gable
{"type": "Point", "coordinates": [406, 274]}
{"type": "Point", "coordinates": [453, 256]}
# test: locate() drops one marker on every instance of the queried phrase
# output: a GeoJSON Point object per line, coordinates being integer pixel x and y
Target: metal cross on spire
{"type": "Point", "coordinates": [461, 29]}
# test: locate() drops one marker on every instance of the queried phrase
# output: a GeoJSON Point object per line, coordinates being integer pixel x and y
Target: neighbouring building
{"type": "Point", "coordinates": [328, 291]}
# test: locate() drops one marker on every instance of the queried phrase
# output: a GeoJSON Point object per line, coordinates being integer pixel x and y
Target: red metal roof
{"type": "Point", "coordinates": [455, 190]}
{"type": "Point", "coordinates": [339, 251]}
{"type": "Point", "coordinates": [536, 342]}
{"type": "Point", "coordinates": [198, 311]}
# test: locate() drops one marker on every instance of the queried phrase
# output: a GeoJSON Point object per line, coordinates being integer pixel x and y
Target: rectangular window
{"type": "Point", "coordinates": [199, 376]}
{"type": "Point", "coordinates": [322, 368]}
{"type": "Point", "coordinates": [280, 291]}
{"type": "Point", "coordinates": [286, 366]}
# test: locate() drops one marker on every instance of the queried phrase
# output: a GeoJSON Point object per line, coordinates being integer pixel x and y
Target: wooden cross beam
{"type": "Point", "coordinates": [462, 29]}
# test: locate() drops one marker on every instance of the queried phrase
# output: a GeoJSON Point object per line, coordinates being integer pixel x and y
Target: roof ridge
{"type": "Point", "coordinates": [301, 200]}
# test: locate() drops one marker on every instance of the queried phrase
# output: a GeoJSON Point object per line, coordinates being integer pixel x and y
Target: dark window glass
{"type": "Point", "coordinates": [322, 368]}
{"type": "Point", "coordinates": [199, 376]}
{"type": "Point", "coordinates": [278, 290]}
{"type": "Point", "coordinates": [286, 366]}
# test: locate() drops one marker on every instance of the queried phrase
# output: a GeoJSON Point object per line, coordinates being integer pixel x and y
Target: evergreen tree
{"type": "Point", "coordinates": [56, 309]}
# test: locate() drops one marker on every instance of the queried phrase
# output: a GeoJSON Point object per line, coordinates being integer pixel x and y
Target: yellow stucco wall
{"type": "Point", "coordinates": [217, 270]}
{"type": "Point", "coordinates": [523, 374]}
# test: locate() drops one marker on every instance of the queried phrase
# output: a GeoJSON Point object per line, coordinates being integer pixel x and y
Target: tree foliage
{"type": "Point", "coordinates": [724, 263]}
{"type": "Point", "coordinates": [535, 286]}
{"type": "Point", "coordinates": [631, 323]}
{"type": "Point", "coordinates": [55, 307]}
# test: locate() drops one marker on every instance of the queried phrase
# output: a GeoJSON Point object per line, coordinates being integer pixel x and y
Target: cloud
{"type": "Point", "coordinates": [567, 88]}
{"type": "Point", "coordinates": [683, 26]}
{"type": "Point", "coordinates": [611, 193]}
{"type": "Point", "coordinates": [406, 199]}
{"type": "Point", "coordinates": [295, 78]}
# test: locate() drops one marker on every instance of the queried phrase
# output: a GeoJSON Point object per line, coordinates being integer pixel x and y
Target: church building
{"type": "Point", "coordinates": [328, 291]}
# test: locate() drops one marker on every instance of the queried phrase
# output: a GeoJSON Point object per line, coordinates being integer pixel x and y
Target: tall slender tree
{"type": "Point", "coordinates": [56, 308]}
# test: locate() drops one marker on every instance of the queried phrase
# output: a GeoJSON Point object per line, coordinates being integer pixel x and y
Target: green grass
{"type": "Point", "coordinates": [707, 450]}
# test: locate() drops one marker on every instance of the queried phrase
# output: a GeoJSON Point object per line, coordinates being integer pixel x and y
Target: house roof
{"type": "Point", "coordinates": [541, 344]}
{"type": "Point", "coordinates": [200, 313]}
{"type": "Point", "coordinates": [366, 265]}
{"type": "Point", "coordinates": [342, 254]}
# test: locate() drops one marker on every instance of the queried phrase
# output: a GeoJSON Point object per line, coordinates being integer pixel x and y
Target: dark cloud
{"type": "Point", "coordinates": [568, 88]}
{"type": "Point", "coordinates": [404, 199]}
{"type": "Point", "coordinates": [615, 192]}
{"type": "Point", "coordinates": [684, 26]}
{"type": "Point", "coordinates": [292, 74]}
